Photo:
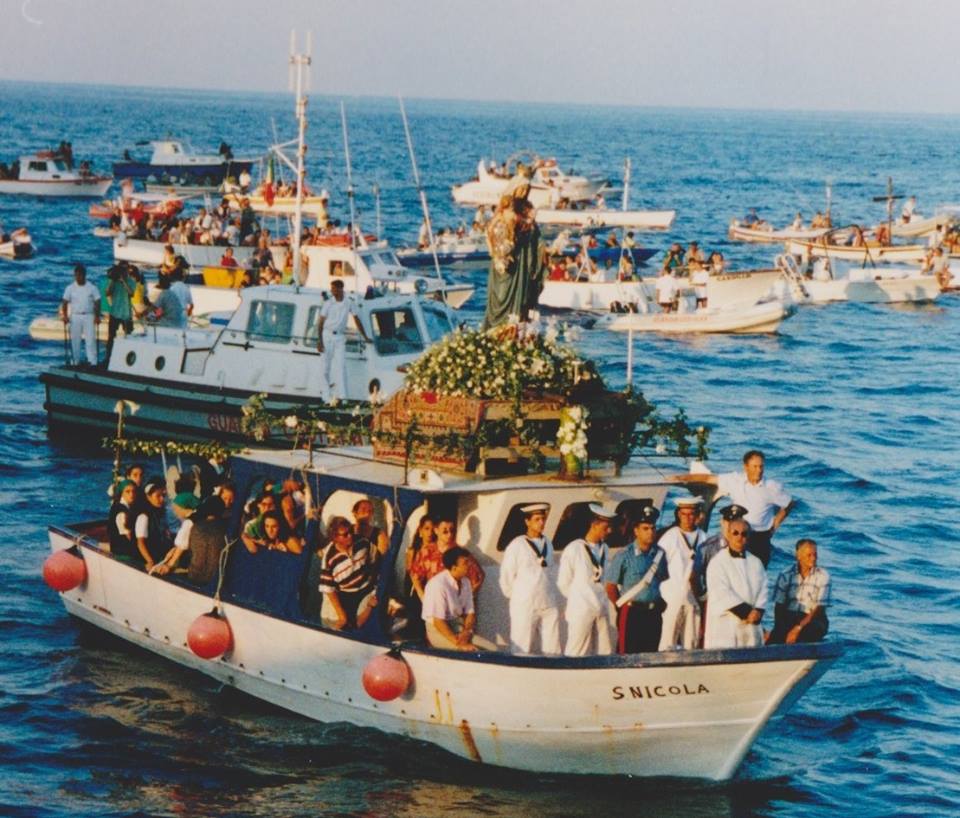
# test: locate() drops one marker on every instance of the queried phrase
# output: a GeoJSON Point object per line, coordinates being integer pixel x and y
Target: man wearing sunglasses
{"type": "Point", "coordinates": [737, 594]}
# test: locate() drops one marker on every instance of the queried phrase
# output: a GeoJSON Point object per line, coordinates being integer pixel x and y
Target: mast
{"type": "Point", "coordinates": [625, 206]}
{"type": "Point", "coordinates": [299, 64]}
{"type": "Point", "coordinates": [350, 199]}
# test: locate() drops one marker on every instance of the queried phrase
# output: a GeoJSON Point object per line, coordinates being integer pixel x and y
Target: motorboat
{"type": "Point", "coordinates": [735, 288]}
{"type": "Point", "coordinates": [688, 714]}
{"type": "Point", "coordinates": [548, 185]}
{"type": "Point", "coordinates": [16, 244]}
{"type": "Point", "coordinates": [193, 383]}
{"type": "Point", "coordinates": [867, 285]}
{"type": "Point", "coordinates": [175, 162]}
{"type": "Point", "coordinates": [762, 317]}
{"type": "Point", "coordinates": [47, 174]}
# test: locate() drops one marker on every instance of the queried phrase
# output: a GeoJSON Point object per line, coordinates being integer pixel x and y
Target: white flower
{"type": "Point", "coordinates": [661, 448]}
{"type": "Point", "coordinates": [291, 421]}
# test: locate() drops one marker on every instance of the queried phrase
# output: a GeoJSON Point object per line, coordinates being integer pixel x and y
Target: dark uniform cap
{"type": "Point", "coordinates": [733, 512]}
{"type": "Point", "coordinates": [647, 514]}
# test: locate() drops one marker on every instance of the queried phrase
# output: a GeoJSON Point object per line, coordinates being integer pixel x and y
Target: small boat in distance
{"type": "Point", "coordinates": [47, 174]}
{"type": "Point", "coordinates": [762, 317]}
{"type": "Point", "coordinates": [16, 244]}
{"type": "Point", "coordinates": [548, 184]}
{"type": "Point", "coordinates": [175, 162]}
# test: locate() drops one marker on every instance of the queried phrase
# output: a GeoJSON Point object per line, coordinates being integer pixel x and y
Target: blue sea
{"type": "Point", "coordinates": [856, 406]}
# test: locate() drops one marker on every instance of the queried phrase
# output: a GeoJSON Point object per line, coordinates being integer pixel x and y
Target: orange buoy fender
{"type": "Point", "coordinates": [386, 676]}
{"type": "Point", "coordinates": [209, 636]}
{"type": "Point", "coordinates": [64, 570]}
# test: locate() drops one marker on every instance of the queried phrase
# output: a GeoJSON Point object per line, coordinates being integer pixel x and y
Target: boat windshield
{"type": "Point", "coordinates": [271, 321]}
{"type": "Point", "coordinates": [383, 258]}
{"type": "Point", "coordinates": [437, 321]}
{"type": "Point", "coordinates": [395, 332]}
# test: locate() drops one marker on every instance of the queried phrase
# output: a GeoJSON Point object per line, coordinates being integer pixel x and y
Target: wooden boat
{"type": "Point", "coordinates": [767, 234]}
{"type": "Point", "coordinates": [869, 253]}
{"type": "Point", "coordinates": [690, 714]}
{"type": "Point", "coordinates": [763, 317]}
{"type": "Point", "coordinates": [43, 174]}
{"type": "Point", "coordinates": [607, 219]}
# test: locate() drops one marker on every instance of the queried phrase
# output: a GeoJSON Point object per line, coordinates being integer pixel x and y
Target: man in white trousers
{"type": "Point", "coordinates": [528, 578]}
{"type": "Point", "coordinates": [681, 619]}
{"type": "Point", "coordinates": [81, 308]}
{"type": "Point", "coordinates": [589, 613]}
{"type": "Point", "coordinates": [332, 343]}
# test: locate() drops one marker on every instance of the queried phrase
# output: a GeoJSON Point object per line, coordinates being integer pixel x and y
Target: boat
{"type": "Point", "coordinates": [149, 204]}
{"type": "Point", "coordinates": [603, 219]}
{"type": "Point", "coordinates": [919, 227]}
{"type": "Point", "coordinates": [869, 252]}
{"type": "Point", "coordinates": [46, 174]}
{"type": "Point", "coordinates": [548, 184]}
{"type": "Point", "coordinates": [192, 384]}
{"type": "Point", "coordinates": [744, 287]}
{"type": "Point", "coordinates": [175, 162]}
{"type": "Point", "coordinates": [687, 714]}
{"type": "Point", "coordinates": [866, 285]}
{"type": "Point", "coordinates": [762, 317]}
{"type": "Point", "coordinates": [149, 252]}
{"type": "Point", "coordinates": [767, 234]}
{"type": "Point", "coordinates": [16, 244]}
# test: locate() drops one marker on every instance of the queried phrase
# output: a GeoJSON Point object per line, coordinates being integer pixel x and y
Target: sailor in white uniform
{"type": "Point", "coordinates": [736, 594]}
{"type": "Point", "coordinates": [528, 578]}
{"type": "Point", "coordinates": [332, 343]}
{"type": "Point", "coordinates": [588, 612]}
{"type": "Point", "coordinates": [81, 307]}
{"type": "Point", "coordinates": [681, 619]}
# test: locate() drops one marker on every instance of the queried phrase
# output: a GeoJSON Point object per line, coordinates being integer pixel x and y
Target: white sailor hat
{"type": "Point", "coordinates": [605, 511]}
{"type": "Point", "coordinates": [687, 502]}
{"type": "Point", "coordinates": [533, 508]}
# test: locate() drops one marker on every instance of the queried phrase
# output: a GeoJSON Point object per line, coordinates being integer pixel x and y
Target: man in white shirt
{"type": "Point", "coordinates": [448, 610]}
{"type": "Point", "coordinates": [81, 307]}
{"type": "Point", "coordinates": [528, 580]}
{"type": "Point", "coordinates": [736, 594]}
{"type": "Point", "coordinates": [332, 342]}
{"type": "Point", "coordinates": [581, 580]}
{"type": "Point", "coordinates": [766, 501]}
{"type": "Point", "coordinates": [667, 288]}
{"type": "Point", "coordinates": [681, 619]}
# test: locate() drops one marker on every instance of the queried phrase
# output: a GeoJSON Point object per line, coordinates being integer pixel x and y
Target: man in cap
{"type": "Point", "coordinates": [528, 578]}
{"type": "Point", "coordinates": [801, 597]}
{"type": "Point", "coordinates": [582, 569]}
{"type": "Point", "coordinates": [80, 308]}
{"type": "Point", "coordinates": [706, 551]}
{"type": "Point", "coordinates": [737, 583]}
{"type": "Point", "coordinates": [681, 619]}
{"type": "Point", "coordinates": [633, 585]}
{"type": "Point", "coordinates": [766, 501]}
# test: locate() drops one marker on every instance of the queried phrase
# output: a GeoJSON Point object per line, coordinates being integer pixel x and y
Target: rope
{"type": "Point", "coordinates": [221, 570]}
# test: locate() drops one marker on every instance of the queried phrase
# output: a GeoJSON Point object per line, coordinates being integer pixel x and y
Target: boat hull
{"type": "Point", "coordinates": [859, 255]}
{"type": "Point", "coordinates": [879, 290]}
{"type": "Point", "coordinates": [760, 318]}
{"type": "Point", "coordinates": [208, 173]}
{"type": "Point", "coordinates": [692, 714]}
{"type": "Point", "coordinates": [94, 186]}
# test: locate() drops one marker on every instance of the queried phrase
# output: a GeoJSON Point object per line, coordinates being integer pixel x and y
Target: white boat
{"type": "Point", "coordinates": [866, 285]}
{"type": "Point", "coordinates": [870, 253]}
{"type": "Point", "coordinates": [919, 227]}
{"type": "Point", "coordinates": [594, 219]}
{"type": "Point", "coordinates": [767, 234]}
{"type": "Point", "coordinates": [176, 162]}
{"type": "Point", "coordinates": [192, 383]}
{"type": "Point", "coordinates": [16, 244]}
{"type": "Point", "coordinates": [41, 174]}
{"type": "Point", "coordinates": [765, 316]}
{"type": "Point", "coordinates": [691, 714]}
{"type": "Point", "coordinates": [149, 252]}
{"type": "Point", "coordinates": [548, 185]}
{"type": "Point", "coordinates": [745, 287]}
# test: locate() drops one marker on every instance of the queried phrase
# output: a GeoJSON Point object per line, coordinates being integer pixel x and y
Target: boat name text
{"type": "Point", "coordinates": [656, 691]}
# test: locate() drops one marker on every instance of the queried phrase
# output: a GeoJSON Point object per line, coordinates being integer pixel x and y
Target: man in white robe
{"type": "Point", "coordinates": [589, 613]}
{"type": "Point", "coordinates": [528, 578]}
{"type": "Point", "coordinates": [681, 619]}
{"type": "Point", "coordinates": [736, 594]}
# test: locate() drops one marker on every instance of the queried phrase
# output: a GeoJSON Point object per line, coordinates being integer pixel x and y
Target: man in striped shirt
{"type": "Point", "coordinates": [801, 597]}
{"type": "Point", "coordinates": [347, 578]}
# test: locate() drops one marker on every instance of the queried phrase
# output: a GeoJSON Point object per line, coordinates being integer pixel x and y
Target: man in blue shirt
{"type": "Point", "coordinates": [633, 585]}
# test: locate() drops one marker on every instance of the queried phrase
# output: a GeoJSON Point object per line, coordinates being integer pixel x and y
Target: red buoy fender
{"type": "Point", "coordinates": [64, 570]}
{"type": "Point", "coordinates": [386, 677]}
{"type": "Point", "coordinates": [209, 635]}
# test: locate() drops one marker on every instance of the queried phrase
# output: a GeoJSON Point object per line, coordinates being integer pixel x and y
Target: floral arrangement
{"type": "Point", "coordinates": [321, 425]}
{"type": "Point", "coordinates": [572, 439]}
{"type": "Point", "coordinates": [501, 363]}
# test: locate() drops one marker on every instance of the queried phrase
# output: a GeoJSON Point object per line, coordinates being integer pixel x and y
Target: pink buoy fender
{"type": "Point", "coordinates": [386, 676]}
{"type": "Point", "coordinates": [64, 570]}
{"type": "Point", "coordinates": [209, 635]}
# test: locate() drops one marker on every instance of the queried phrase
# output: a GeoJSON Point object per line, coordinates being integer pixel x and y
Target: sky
{"type": "Point", "coordinates": [863, 55]}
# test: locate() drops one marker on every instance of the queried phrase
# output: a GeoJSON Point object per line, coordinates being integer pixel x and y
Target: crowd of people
{"type": "Point", "coordinates": [672, 588]}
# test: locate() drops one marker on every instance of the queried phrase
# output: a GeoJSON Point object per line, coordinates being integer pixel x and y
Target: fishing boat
{"type": "Point", "coordinates": [175, 162]}
{"type": "Point", "coordinates": [744, 287]}
{"type": "Point", "coordinates": [45, 174]}
{"type": "Point", "coordinates": [16, 244]}
{"type": "Point", "coordinates": [920, 227]}
{"type": "Point", "coordinates": [604, 219]}
{"type": "Point", "coordinates": [869, 252]}
{"type": "Point", "coordinates": [691, 714]}
{"type": "Point", "coordinates": [548, 184]}
{"type": "Point", "coordinates": [193, 383]}
{"type": "Point", "coordinates": [866, 285]}
{"type": "Point", "coordinates": [762, 317]}
{"type": "Point", "coordinates": [767, 234]}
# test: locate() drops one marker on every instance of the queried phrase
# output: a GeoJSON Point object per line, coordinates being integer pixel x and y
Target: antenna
{"type": "Point", "coordinates": [376, 197]}
{"type": "Point", "coordinates": [423, 205]}
{"type": "Point", "coordinates": [299, 66]}
{"type": "Point", "coordinates": [346, 151]}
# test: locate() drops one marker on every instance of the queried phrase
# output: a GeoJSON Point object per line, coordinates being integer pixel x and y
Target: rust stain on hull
{"type": "Point", "coordinates": [468, 741]}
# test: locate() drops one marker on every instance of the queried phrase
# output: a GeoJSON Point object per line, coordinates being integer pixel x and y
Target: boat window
{"type": "Point", "coordinates": [383, 258]}
{"type": "Point", "coordinates": [271, 321]}
{"type": "Point", "coordinates": [39, 166]}
{"type": "Point", "coordinates": [340, 269]}
{"type": "Point", "coordinates": [61, 166]}
{"type": "Point", "coordinates": [513, 527]}
{"type": "Point", "coordinates": [395, 332]}
{"type": "Point", "coordinates": [435, 317]}
{"type": "Point", "coordinates": [312, 333]}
